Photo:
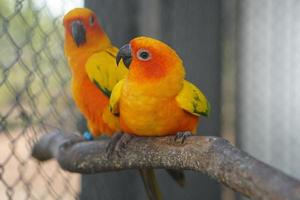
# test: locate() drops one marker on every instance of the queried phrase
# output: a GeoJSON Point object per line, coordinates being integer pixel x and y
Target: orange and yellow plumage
{"type": "Point", "coordinates": [91, 57]}
{"type": "Point", "coordinates": [154, 99]}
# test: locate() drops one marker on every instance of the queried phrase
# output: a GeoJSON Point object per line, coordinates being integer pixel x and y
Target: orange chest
{"type": "Point", "coordinates": [88, 97]}
{"type": "Point", "coordinates": [85, 93]}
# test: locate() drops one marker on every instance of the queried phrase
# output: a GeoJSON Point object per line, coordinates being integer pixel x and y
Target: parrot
{"type": "Point", "coordinates": [154, 99]}
{"type": "Point", "coordinates": [91, 57]}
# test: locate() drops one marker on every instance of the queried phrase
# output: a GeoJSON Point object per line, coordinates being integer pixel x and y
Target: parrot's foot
{"type": "Point", "coordinates": [117, 143]}
{"type": "Point", "coordinates": [181, 136]}
{"type": "Point", "coordinates": [88, 136]}
{"type": "Point", "coordinates": [112, 144]}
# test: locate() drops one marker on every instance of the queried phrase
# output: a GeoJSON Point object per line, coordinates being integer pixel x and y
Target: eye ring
{"type": "Point", "coordinates": [143, 55]}
{"type": "Point", "coordinates": [92, 20]}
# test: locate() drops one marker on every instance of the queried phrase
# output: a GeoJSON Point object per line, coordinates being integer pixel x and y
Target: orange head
{"type": "Point", "coordinates": [150, 59]}
{"type": "Point", "coordinates": [83, 31]}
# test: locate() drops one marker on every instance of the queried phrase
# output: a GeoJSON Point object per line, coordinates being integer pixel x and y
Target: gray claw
{"type": "Point", "coordinates": [117, 143]}
{"type": "Point", "coordinates": [182, 135]}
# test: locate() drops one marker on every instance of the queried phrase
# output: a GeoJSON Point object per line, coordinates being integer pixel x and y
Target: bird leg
{"type": "Point", "coordinates": [117, 143]}
{"type": "Point", "coordinates": [182, 135]}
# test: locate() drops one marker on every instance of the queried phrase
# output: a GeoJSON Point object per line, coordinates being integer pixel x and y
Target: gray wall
{"type": "Point", "coordinates": [192, 28]}
{"type": "Point", "coordinates": [268, 82]}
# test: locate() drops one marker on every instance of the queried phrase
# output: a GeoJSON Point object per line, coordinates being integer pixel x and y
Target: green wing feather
{"type": "Point", "coordinates": [193, 100]}
{"type": "Point", "coordinates": [102, 70]}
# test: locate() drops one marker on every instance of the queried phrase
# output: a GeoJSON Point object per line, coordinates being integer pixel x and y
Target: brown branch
{"type": "Point", "coordinates": [210, 155]}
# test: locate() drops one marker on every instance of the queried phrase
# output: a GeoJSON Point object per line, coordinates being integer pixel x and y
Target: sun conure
{"type": "Point", "coordinates": [91, 57]}
{"type": "Point", "coordinates": [155, 99]}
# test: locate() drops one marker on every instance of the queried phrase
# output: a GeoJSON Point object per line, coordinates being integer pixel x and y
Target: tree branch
{"type": "Point", "coordinates": [210, 155]}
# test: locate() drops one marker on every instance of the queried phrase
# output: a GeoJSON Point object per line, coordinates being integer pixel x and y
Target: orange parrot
{"type": "Point", "coordinates": [91, 57]}
{"type": "Point", "coordinates": [156, 92]}
{"type": "Point", "coordinates": [154, 99]}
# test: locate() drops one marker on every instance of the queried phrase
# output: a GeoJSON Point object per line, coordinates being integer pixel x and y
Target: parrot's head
{"type": "Point", "coordinates": [150, 59]}
{"type": "Point", "coordinates": [82, 29]}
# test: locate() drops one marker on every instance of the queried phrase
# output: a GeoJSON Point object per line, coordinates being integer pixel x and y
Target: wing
{"type": "Point", "coordinates": [115, 97]}
{"type": "Point", "coordinates": [102, 70]}
{"type": "Point", "coordinates": [193, 100]}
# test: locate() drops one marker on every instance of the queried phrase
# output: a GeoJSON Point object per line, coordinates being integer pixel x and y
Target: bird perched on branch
{"type": "Point", "coordinates": [155, 99]}
{"type": "Point", "coordinates": [91, 57]}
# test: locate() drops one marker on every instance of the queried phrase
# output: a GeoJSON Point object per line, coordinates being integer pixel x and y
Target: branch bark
{"type": "Point", "coordinates": [210, 155]}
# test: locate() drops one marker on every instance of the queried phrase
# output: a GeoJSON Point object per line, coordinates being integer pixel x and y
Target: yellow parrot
{"type": "Point", "coordinates": [155, 90]}
{"type": "Point", "coordinates": [154, 99]}
{"type": "Point", "coordinates": [91, 57]}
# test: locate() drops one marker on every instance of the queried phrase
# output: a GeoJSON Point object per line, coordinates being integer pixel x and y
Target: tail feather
{"type": "Point", "coordinates": [178, 176]}
{"type": "Point", "coordinates": [151, 185]}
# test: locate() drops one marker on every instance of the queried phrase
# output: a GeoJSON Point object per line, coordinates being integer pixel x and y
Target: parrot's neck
{"type": "Point", "coordinates": [77, 56]}
{"type": "Point", "coordinates": [166, 87]}
{"type": "Point", "coordinates": [91, 46]}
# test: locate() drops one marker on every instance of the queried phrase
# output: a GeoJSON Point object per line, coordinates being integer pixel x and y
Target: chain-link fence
{"type": "Point", "coordinates": [34, 98]}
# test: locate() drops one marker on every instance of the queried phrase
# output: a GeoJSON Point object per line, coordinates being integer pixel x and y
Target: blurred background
{"type": "Point", "coordinates": [243, 55]}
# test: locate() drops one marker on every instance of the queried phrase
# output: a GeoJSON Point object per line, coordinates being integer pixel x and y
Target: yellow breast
{"type": "Point", "coordinates": [152, 113]}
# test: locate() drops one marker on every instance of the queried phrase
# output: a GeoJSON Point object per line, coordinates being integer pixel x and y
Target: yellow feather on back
{"type": "Point", "coordinates": [102, 70]}
{"type": "Point", "coordinates": [193, 100]}
{"type": "Point", "coordinates": [115, 97]}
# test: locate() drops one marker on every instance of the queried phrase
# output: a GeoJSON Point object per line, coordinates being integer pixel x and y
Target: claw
{"type": "Point", "coordinates": [182, 136]}
{"type": "Point", "coordinates": [117, 143]}
{"type": "Point", "coordinates": [112, 144]}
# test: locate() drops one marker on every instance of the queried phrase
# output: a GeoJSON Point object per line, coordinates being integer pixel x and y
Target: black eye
{"type": "Point", "coordinates": [92, 20]}
{"type": "Point", "coordinates": [143, 54]}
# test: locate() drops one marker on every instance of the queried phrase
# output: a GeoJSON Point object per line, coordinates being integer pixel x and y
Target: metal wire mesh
{"type": "Point", "coordinates": [34, 98]}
